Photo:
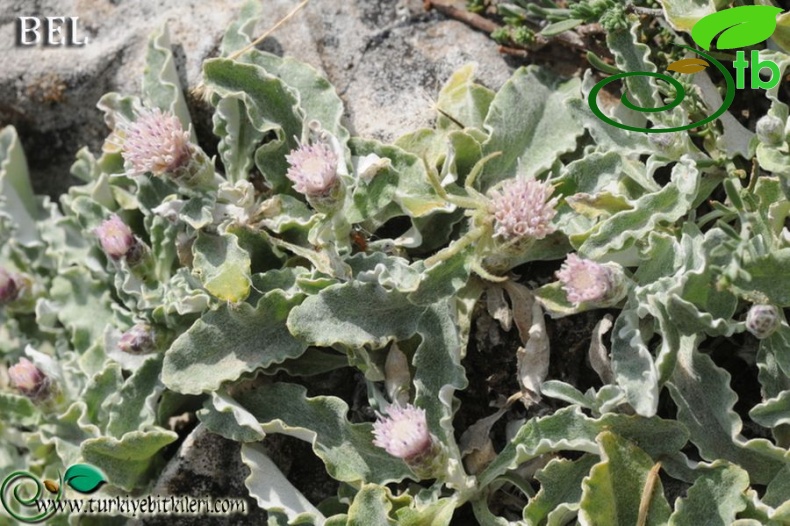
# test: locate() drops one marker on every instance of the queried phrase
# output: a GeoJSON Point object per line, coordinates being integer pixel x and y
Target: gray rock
{"type": "Point", "coordinates": [387, 59]}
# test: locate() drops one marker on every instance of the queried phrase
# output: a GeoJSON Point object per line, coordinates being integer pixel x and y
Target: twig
{"type": "Point", "coordinates": [513, 51]}
{"type": "Point", "coordinates": [567, 38]}
{"type": "Point", "coordinates": [472, 19]}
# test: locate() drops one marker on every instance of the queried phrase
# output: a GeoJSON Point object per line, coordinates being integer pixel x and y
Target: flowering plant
{"type": "Point", "coordinates": [171, 283]}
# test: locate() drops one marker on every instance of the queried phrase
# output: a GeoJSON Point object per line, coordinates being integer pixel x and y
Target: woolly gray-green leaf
{"type": "Point", "coordinates": [230, 341]}
{"type": "Point", "coordinates": [715, 498]}
{"type": "Point", "coordinates": [614, 492]}
{"type": "Point", "coordinates": [128, 461]}
{"type": "Point", "coordinates": [705, 406]}
{"type": "Point", "coordinates": [346, 449]}
{"type": "Point", "coordinates": [527, 122]}
{"type": "Point", "coordinates": [161, 86]}
{"type": "Point", "coordinates": [222, 266]}
{"type": "Point", "coordinates": [270, 106]}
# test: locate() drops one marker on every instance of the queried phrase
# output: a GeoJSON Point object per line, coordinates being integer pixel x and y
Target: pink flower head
{"type": "Point", "coordinates": [29, 380]}
{"type": "Point", "coordinates": [9, 288]}
{"type": "Point", "coordinates": [522, 209]}
{"type": "Point", "coordinates": [156, 142]}
{"type": "Point", "coordinates": [585, 280]}
{"type": "Point", "coordinates": [404, 432]}
{"type": "Point", "coordinates": [116, 238]}
{"type": "Point", "coordinates": [313, 169]}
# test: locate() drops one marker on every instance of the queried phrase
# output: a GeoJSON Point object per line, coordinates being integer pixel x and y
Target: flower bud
{"type": "Point", "coordinates": [116, 239]}
{"type": "Point", "coordinates": [140, 339]}
{"type": "Point", "coordinates": [762, 320]}
{"type": "Point", "coordinates": [668, 143]}
{"type": "Point", "coordinates": [586, 281]}
{"type": "Point", "coordinates": [29, 380]}
{"type": "Point", "coordinates": [403, 433]}
{"type": "Point", "coordinates": [770, 130]}
{"type": "Point", "coordinates": [9, 287]}
{"type": "Point", "coordinates": [523, 210]}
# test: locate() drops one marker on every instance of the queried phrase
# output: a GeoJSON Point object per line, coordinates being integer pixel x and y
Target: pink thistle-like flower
{"type": "Point", "coordinates": [523, 209]}
{"type": "Point", "coordinates": [140, 339]}
{"type": "Point", "coordinates": [313, 169]}
{"type": "Point", "coordinates": [403, 433]}
{"type": "Point", "coordinates": [29, 380]}
{"type": "Point", "coordinates": [116, 238]}
{"type": "Point", "coordinates": [156, 142]}
{"type": "Point", "coordinates": [9, 288]}
{"type": "Point", "coordinates": [585, 280]}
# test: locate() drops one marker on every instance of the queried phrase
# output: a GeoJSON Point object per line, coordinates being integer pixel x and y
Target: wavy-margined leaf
{"type": "Point", "coordinates": [317, 97]}
{"type": "Point", "coordinates": [705, 406]}
{"type": "Point", "coordinates": [127, 461]}
{"type": "Point", "coordinates": [402, 187]}
{"type": "Point", "coordinates": [466, 102]}
{"type": "Point", "coordinates": [356, 315]}
{"type": "Point", "coordinates": [665, 206]}
{"type": "Point", "coordinates": [222, 266]}
{"type": "Point", "coordinates": [560, 483]}
{"type": "Point", "coordinates": [623, 487]}
{"type": "Point", "coordinates": [630, 54]}
{"type": "Point", "coordinates": [772, 412]}
{"type": "Point", "coordinates": [135, 406]}
{"type": "Point", "coordinates": [527, 122]}
{"type": "Point", "coordinates": [238, 138]}
{"type": "Point", "coordinates": [370, 506]}
{"type": "Point", "coordinates": [766, 275]}
{"type": "Point", "coordinates": [240, 32]}
{"type": "Point", "coordinates": [161, 86]}
{"type": "Point", "coordinates": [437, 513]}
{"type": "Point", "coordinates": [272, 490]}
{"type": "Point", "coordinates": [570, 430]}
{"type": "Point", "coordinates": [224, 416]}
{"type": "Point", "coordinates": [270, 106]}
{"type": "Point", "coordinates": [634, 369]}
{"type": "Point", "coordinates": [346, 449]}
{"type": "Point", "coordinates": [230, 341]}
{"type": "Point", "coordinates": [715, 498]}
{"type": "Point", "coordinates": [607, 137]}
{"type": "Point", "coordinates": [736, 27]}
{"type": "Point", "coordinates": [81, 303]}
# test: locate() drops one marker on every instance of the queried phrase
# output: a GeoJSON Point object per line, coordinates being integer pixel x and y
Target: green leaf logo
{"type": "Point", "coordinates": [739, 27]}
{"type": "Point", "coordinates": [84, 478]}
